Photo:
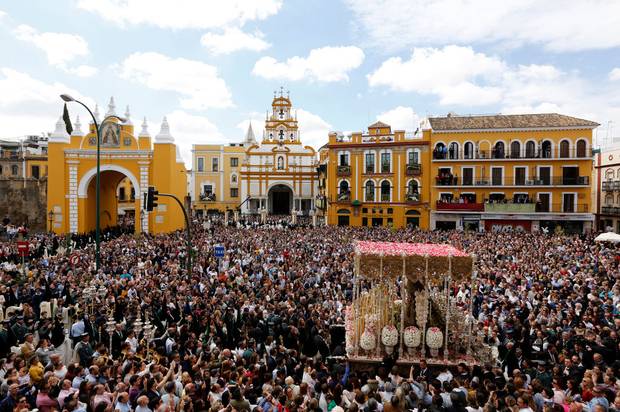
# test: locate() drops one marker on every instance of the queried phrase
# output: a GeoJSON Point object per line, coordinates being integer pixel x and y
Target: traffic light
{"type": "Point", "coordinates": [151, 199]}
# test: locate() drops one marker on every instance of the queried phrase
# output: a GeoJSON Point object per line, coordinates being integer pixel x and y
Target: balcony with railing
{"type": "Point", "coordinates": [496, 154]}
{"type": "Point", "coordinates": [414, 169]}
{"type": "Point", "coordinates": [510, 207]}
{"type": "Point", "coordinates": [385, 168]}
{"type": "Point", "coordinates": [412, 197]}
{"type": "Point", "coordinates": [610, 210]}
{"type": "Point", "coordinates": [344, 197]}
{"type": "Point", "coordinates": [343, 170]}
{"type": "Point", "coordinates": [459, 207]}
{"type": "Point", "coordinates": [369, 169]}
{"type": "Point", "coordinates": [447, 180]}
{"type": "Point", "coordinates": [610, 186]}
{"type": "Point", "coordinates": [207, 197]}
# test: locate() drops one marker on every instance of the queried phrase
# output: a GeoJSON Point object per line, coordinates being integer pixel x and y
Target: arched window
{"type": "Point", "coordinates": [370, 191]}
{"type": "Point", "coordinates": [545, 148]}
{"type": "Point", "coordinates": [515, 149]}
{"type": "Point", "coordinates": [453, 151]}
{"type": "Point", "coordinates": [14, 170]}
{"type": "Point", "coordinates": [233, 178]}
{"type": "Point", "coordinates": [413, 194]}
{"type": "Point", "coordinates": [468, 150]}
{"type": "Point", "coordinates": [280, 163]}
{"type": "Point", "coordinates": [609, 199]}
{"type": "Point", "coordinates": [564, 149]}
{"type": "Point", "coordinates": [385, 191]}
{"type": "Point", "coordinates": [530, 149]}
{"type": "Point", "coordinates": [581, 148]}
{"type": "Point", "coordinates": [343, 191]}
{"type": "Point", "coordinates": [440, 151]}
{"type": "Point", "coordinates": [499, 150]}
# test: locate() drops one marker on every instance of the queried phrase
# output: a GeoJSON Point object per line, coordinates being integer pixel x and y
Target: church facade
{"type": "Point", "coordinates": [276, 175]}
{"type": "Point", "coordinates": [279, 173]}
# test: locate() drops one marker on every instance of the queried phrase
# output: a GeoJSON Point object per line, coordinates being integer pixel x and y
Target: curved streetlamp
{"type": "Point", "coordinates": [68, 98]}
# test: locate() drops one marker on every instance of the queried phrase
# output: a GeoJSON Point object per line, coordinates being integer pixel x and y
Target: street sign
{"type": "Point", "coordinates": [219, 251]}
{"type": "Point", "coordinates": [22, 248]}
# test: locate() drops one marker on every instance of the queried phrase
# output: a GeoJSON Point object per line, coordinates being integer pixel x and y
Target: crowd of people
{"type": "Point", "coordinates": [260, 329]}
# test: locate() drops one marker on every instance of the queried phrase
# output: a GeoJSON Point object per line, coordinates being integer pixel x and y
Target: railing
{"type": "Point", "coordinates": [344, 170]}
{"type": "Point", "coordinates": [468, 207]}
{"type": "Point", "coordinates": [607, 186]}
{"type": "Point", "coordinates": [511, 181]}
{"type": "Point", "coordinates": [370, 169]}
{"type": "Point", "coordinates": [414, 169]}
{"type": "Point", "coordinates": [207, 197]}
{"type": "Point", "coordinates": [609, 210]}
{"type": "Point", "coordinates": [569, 208]}
{"type": "Point", "coordinates": [385, 168]}
{"type": "Point", "coordinates": [344, 197]}
{"type": "Point", "coordinates": [507, 154]}
{"type": "Point", "coordinates": [385, 197]}
{"type": "Point", "coordinates": [510, 207]}
{"type": "Point", "coordinates": [412, 197]}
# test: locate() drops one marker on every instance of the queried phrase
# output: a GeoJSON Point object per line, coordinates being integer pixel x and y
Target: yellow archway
{"type": "Point", "coordinates": [72, 170]}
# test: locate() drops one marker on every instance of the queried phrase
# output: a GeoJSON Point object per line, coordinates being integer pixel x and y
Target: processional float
{"type": "Point", "coordinates": [402, 301]}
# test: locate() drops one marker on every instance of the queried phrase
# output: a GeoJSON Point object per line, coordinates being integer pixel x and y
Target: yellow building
{"type": "Point", "coordinates": [511, 172]}
{"type": "Point", "coordinates": [378, 178]}
{"type": "Point", "coordinates": [216, 176]}
{"type": "Point", "coordinates": [72, 170]}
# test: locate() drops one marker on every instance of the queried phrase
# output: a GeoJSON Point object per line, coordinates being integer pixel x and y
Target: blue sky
{"type": "Point", "coordinates": [212, 65]}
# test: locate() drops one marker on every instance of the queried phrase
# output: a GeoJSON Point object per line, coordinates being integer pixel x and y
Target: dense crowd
{"type": "Point", "coordinates": [259, 330]}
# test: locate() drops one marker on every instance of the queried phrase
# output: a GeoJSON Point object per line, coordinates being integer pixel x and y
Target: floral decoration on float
{"type": "Point", "coordinates": [389, 338]}
{"type": "Point", "coordinates": [434, 340]}
{"type": "Point", "coordinates": [412, 337]}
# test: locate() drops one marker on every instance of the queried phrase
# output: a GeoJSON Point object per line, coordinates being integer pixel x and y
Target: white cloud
{"type": "Point", "coordinates": [182, 14]}
{"type": "Point", "coordinates": [449, 72]}
{"type": "Point", "coordinates": [232, 40]}
{"type": "Point", "coordinates": [60, 48]}
{"type": "Point", "coordinates": [198, 82]}
{"type": "Point", "coordinates": [313, 130]}
{"type": "Point", "coordinates": [556, 25]}
{"type": "Point", "coordinates": [614, 74]}
{"type": "Point", "coordinates": [2, 14]}
{"type": "Point", "coordinates": [325, 64]}
{"type": "Point", "coordinates": [188, 130]}
{"type": "Point", "coordinates": [400, 118]}
{"type": "Point", "coordinates": [31, 106]}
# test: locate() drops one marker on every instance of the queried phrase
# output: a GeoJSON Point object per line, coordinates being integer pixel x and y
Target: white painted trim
{"type": "Point", "coordinates": [550, 205]}
{"type": "Point", "coordinates": [473, 150]}
{"type": "Point", "coordinates": [550, 173]}
{"type": "Point", "coordinates": [575, 196]}
{"type": "Point", "coordinates": [391, 189]}
{"type": "Point", "coordinates": [87, 177]}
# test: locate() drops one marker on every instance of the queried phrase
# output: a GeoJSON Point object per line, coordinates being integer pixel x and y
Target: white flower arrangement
{"type": "Point", "coordinates": [389, 335]}
{"type": "Point", "coordinates": [371, 323]}
{"type": "Point", "coordinates": [412, 337]}
{"type": "Point", "coordinates": [434, 338]}
{"type": "Point", "coordinates": [368, 341]}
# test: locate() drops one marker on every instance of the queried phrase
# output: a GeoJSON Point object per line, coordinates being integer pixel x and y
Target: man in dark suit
{"type": "Point", "coordinates": [118, 338]}
{"type": "Point", "coordinates": [424, 374]}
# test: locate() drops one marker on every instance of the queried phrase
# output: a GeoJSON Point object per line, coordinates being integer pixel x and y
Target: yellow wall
{"type": "Point", "coordinates": [482, 168]}
{"type": "Point", "coordinates": [221, 180]}
{"type": "Point", "coordinates": [378, 140]}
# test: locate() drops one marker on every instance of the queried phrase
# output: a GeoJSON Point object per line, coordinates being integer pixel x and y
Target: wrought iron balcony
{"type": "Point", "coordinates": [414, 169]}
{"type": "Point", "coordinates": [344, 170]}
{"type": "Point", "coordinates": [465, 207]}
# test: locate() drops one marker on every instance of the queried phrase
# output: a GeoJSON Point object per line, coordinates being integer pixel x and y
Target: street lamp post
{"type": "Point", "coordinates": [68, 98]}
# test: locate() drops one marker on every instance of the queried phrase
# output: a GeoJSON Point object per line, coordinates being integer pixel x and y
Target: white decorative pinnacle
{"type": "Point", "coordinates": [111, 107]}
{"type": "Point", "coordinates": [145, 129]}
{"type": "Point", "coordinates": [127, 116]}
{"type": "Point", "coordinates": [96, 113]}
{"type": "Point", "coordinates": [60, 134]}
{"type": "Point", "coordinates": [164, 135]}
{"type": "Point", "coordinates": [77, 127]}
{"type": "Point", "coordinates": [179, 158]}
{"type": "Point", "coordinates": [249, 136]}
